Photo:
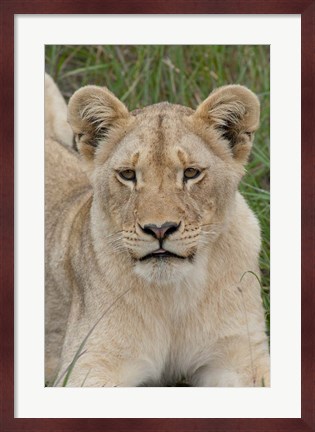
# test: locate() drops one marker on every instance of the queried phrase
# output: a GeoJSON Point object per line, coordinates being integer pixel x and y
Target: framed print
{"type": "Point", "coordinates": [36, 32]}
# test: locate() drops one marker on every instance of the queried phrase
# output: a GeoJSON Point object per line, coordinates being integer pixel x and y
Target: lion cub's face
{"type": "Point", "coordinates": [164, 176]}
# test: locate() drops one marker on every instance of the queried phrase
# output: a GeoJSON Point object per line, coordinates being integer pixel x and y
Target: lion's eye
{"type": "Point", "coordinates": [191, 173]}
{"type": "Point", "coordinates": [129, 175]}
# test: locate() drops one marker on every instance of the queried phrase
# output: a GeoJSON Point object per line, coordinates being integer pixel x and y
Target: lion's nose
{"type": "Point", "coordinates": [160, 232]}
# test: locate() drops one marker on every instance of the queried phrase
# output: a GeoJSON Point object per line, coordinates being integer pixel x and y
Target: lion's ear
{"type": "Point", "coordinates": [233, 110]}
{"type": "Point", "coordinates": [94, 113]}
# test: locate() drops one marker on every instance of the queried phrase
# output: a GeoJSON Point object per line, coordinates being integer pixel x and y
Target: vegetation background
{"type": "Point", "coordinates": [143, 75]}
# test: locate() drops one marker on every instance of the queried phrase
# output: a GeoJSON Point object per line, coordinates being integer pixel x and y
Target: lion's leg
{"type": "Point", "coordinates": [57, 306]}
{"type": "Point", "coordinates": [56, 125]}
{"type": "Point", "coordinates": [54, 337]}
{"type": "Point", "coordinates": [101, 357]}
{"type": "Point", "coordinates": [239, 362]}
{"type": "Point", "coordinates": [108, 370]}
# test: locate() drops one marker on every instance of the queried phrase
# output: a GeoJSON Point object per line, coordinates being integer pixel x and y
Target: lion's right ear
{"type": "Point", "coordinates": [94, 114]}
{"type": "Point", "coordinates": [233, 111]}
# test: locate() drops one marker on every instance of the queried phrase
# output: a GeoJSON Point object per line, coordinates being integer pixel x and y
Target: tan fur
{"type": "Point", "coordinates": [159, 319]}
{"type": "Point", "coordinates": [56, 125]}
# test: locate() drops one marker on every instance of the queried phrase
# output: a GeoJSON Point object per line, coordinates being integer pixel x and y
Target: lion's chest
{"type": "Point", "coordinates": [180, 345]}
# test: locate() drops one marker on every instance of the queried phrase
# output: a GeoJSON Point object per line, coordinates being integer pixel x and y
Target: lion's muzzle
{"type": "Point", "coordinates": [162, 231]}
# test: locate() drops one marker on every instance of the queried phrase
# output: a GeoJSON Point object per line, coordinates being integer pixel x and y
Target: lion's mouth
{"type": "Point", "coordinates": [161, 254]}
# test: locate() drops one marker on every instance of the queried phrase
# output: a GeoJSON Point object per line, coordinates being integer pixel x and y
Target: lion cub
{"type": "Point", "coordinates": [149, 244]}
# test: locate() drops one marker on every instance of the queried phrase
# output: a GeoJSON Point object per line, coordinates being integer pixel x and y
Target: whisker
{"type": "Point", "coordinates": [112, 241]}
{"type": "Point", "coordinates": [113, 234]}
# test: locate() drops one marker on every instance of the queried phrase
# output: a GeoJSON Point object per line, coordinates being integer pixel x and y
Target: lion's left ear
{"type": "Point", "coordinates": [233, 111]}
{"type": "Point", "coordinates": [94, 113]}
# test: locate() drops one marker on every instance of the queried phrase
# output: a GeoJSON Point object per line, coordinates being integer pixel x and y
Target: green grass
{"type": "Point", "coordinates": [142, 75]}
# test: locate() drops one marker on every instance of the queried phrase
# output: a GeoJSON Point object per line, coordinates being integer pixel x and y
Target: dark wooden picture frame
{"type": "Point", "coordinates": [306, 8]}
